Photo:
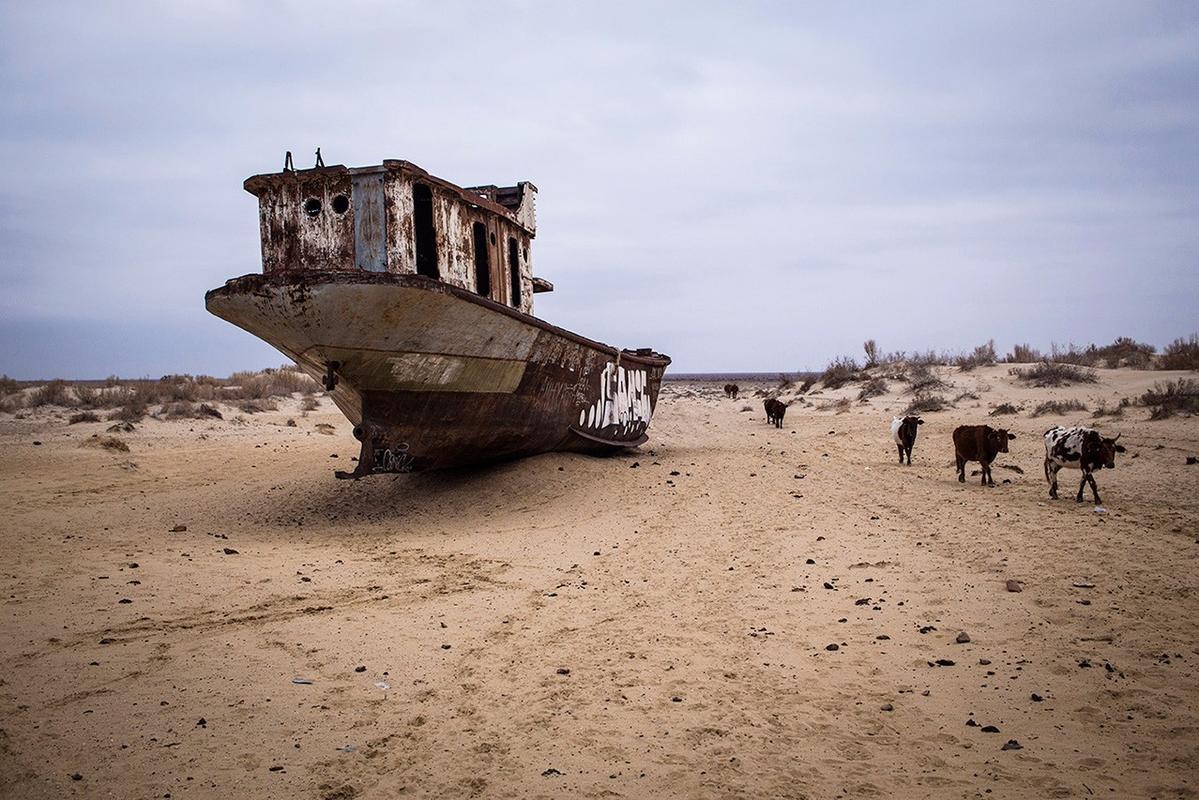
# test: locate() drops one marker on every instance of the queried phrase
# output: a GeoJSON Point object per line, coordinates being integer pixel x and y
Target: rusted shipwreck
{"type": "Point", "coordinates": [411, 299]}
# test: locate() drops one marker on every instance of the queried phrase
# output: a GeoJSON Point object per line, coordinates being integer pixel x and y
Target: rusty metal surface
{"type": "Point", "coordinates": [438, 369]}
{"type": "Point", "coordinates": [435, 376]}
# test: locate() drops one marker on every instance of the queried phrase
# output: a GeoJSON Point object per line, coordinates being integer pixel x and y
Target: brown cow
{"type": "Point", "coordinates": [979, 443]}
{"type": "Point", "coordinates": [731, 390]}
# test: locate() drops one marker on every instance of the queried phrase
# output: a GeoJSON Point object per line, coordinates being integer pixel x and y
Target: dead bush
{"type": "Point", "coordinates": [257, 406]}
{"type": "Point", "coordinates": [8, 385]}
{"type": "Point", "coordinates": [983, 356]}
{"type": "Point", "coordinates": [106, 442]}
{"type": "Point", "coordinates": [183, 409]}
{"type": "Point", "coordinates": [309, 404]}
{"type": "Point", "coordinates": [1057, 407]}
{"type": "Point", "coordinates": [873, 387]}
{"type": "Point", "coordinates": [1004, 408]}
{"type": "Point", "coordinates": [841, 371]}
{"type": "Point", "coordinates": [922, 380]}
{"type": "Point", "coordinates": [965, 396]}
{"type": "Point", "coordinates": [1166, 399]}
{"type": "Point", "coordinates": [926, 403]}
{"type": "Point", "coordinates": [1103, 410]}
{"type": "Point", "coordinates": [1054, 373]}
{"type": "Point", "coordinates": [54, 393]}
{"type": "Point", "coordinates": [83, 416]}
{"type": "Point", "coordinates": [1180, 354]}
{"type": "Point", "coordinates": [1023, 354]}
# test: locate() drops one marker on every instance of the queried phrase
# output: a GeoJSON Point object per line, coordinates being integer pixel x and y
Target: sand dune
{"type": "Point", "coordinates": [660, 623]}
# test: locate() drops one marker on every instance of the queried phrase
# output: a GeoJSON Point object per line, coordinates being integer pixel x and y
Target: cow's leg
{"type": "Point", "coordinates": [1094, 488]}
{"type": "Point", "coordinates": [908, 450]}
{"type": "Point", "coordinates": [899, 447]}
{"type": "Point", "coordinates": [986, 479]}
{"type": "Point", "coordinates": [961, 468]}
{"type": "Point", "coordinates": [1085, 476]}
{"type": "Point", "coordinates": [1051, 473]}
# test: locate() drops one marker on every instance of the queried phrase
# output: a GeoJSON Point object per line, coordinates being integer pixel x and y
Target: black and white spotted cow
{"type": "Point", "coordinates": [1078, 448]}
{"type": "Point", "coordinates": [903, 431]}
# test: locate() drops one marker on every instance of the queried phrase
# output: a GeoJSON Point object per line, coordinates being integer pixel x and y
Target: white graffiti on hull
{"type": "Point", "coordinates": [623, 401]}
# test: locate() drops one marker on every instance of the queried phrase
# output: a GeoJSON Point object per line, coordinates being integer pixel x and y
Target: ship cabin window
{"type": "Point", "coordinates": [340, 204]}
{"type": "Point", "coordinates": [312, 206]}
{"type": "Point", "coordinates": [424, 230]}
{"type": "Point", "coordinates": [514, 271]}
{"type": "Point", "coordinates": [482, 261]}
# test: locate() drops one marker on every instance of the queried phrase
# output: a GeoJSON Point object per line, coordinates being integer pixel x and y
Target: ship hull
{"type": "Point", "coordinates": [433, 376]}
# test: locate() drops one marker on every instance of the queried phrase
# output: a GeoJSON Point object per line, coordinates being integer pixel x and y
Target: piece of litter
{"type": "Point", "coordinates": [384, 685]}
{"type": "Point", "coordinates": [349, 748]}
{"type": "Point", "coordinates": [303, 681]}
{"type": "Point", "coordinates": [1100, 510]}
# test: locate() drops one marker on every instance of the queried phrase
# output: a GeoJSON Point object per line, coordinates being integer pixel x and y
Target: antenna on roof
{"type": "Point", "coordinates": [320, 162]}
{"type": "Point", "coordinates": [287, 165]}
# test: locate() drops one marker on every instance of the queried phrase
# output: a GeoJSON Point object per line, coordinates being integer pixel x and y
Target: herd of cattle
{"type": "Point", "coordinates": [1073, 447]}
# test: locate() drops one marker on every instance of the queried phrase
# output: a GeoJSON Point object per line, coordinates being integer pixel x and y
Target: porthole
{"type": "Point", "coordinates": [340, 204]}
{"type": "Point", "coordinates": [493, 238]}
{"type": "Point", "coordinates": [312, 206]}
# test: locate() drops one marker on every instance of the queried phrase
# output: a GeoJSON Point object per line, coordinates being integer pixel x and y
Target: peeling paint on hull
{"type": "Point", "coordinates": [435, 376]}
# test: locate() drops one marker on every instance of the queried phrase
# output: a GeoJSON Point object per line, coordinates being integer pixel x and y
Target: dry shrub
{"type": "Point", "coordinates": [106, 442]}
{"type": "Point", "coordinates": [183, 409]}
{"type": "Point", "coordinates": [54, 393]}
{"type": "Point", "coordinates": [282, 382]}
{"type": "Point", "coordinates": [983, 356]}
{"type": "Point", "coordinates": [808, 383]}
{"type": "Point", "coordinates": [1169, 398]}
{"type": "Point", "coordinates": [1004, 408]}
{"type": "Point", "coordinates": [873, 387]}
{"type": "Point", "coordinates": [841, 371]}
{"type": "Point", "coordinates": [121, 427]}
{"type": "Point", "coordinates": [840, 406]}
{"type": "Point", "coordinates": [1054, 373]}
{"type": "Point", "coordinates": [8, 385]}
{"type": "Point", "coordinates": [83, 416]}
{"type": "Point", "coordinates": [1057, 407]}
{"type": "Point", "coordinates": [257, 406]}
{"type": "Point", "coordinates": [923, 381]}
{"type": "Point", "coordinates": [1024, 354]}
{"type": "Point", "coordinates": [965, 396]}
{"type": "Point", "coordinates": [1180, 354]}
{"type": "Point", "coordinates": [926, 403]}
{"type": "Point", "coordinates": [12, 403]}
{"type": "Point", "coordinates": [309, 404]}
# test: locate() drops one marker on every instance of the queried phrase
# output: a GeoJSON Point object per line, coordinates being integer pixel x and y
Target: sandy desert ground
{"type": "Point", "coordinates": [657, 624]}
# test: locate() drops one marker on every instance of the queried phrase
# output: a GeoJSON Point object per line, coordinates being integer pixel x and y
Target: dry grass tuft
{"type": "Point", "coordinates": [1173, 397]}
{"type": "Point", "coordinates": [873, 387]}
{"type": "Point", "coordinates": [926, 403]}
{"type": "Point", "coordinates": [1180, 354]}
{"type": "Point", "coordinates": [1004, 408]}
{"type": "Point", "coordinates": [106, 442]}
{"type": "Point", "coordinates": [1054, 373]}
{"type": "Point", "coordinates": [841, 371]}
{"type": "Point", "coordinates": [1057, 407]}
{"type": "Point", "coordinates": [83, 416]}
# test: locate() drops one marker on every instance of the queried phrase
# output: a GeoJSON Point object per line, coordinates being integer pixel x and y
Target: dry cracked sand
{"type": "Point", "coordinates": [657, 624]}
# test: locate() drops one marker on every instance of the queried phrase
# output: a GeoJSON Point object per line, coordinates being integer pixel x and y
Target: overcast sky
{"type": "Point", "coordinates": [743, 186]}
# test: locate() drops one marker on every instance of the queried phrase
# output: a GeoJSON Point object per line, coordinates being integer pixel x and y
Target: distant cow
{"type": "Point", "coordinates": [903, 431]}
{"type": "Point", "coordinates": [775, 411]}
{"type": "Point", "coordinates": [731, 390]}
{"type": "Point", "coordinates": [1078, 448]}
{"type": "Point", "coordinates": [979, 443]}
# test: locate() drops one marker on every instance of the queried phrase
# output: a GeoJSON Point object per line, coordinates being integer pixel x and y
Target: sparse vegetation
{"type": "Point", "coordinates": [309, 404]}
{"type": "Point", "coordinates": [1166, 399]}
{"type": "Point", "coordinates": [1180, 354]}
{"type": "Point", "coordinates": [983, 356]}
{"type": "Point", "coordinates": [1054, 373]}
{"type": "Point", "coordinates": [841, 371]}
{"type": "Point", "coordinates": [83, 416]}
{"type": "Point", "coordinates": [257, 406]}
{"type": "Point", "coordinates": [106, 442]}
{"type": "Point", "coordinates": [53, 393]}
{"type": "Point", "coordinates": [1023, 354]}
{"type": "Point", "coordinates": [872, 354]}
{"type": "Point", "coordinates": [965, 396]}
{"type": "Point", "coordinates": [922, 380]}
{"type": "Point", "coordinates": [873, 387]}
{"type": "Point", "coordinates": [1004, 408]}
{"type": "Point", "coordinates": [839, 406]}
{"type": "Point", "coordinates": [1057, 407]}
{"type": "Point", "coordinates": [926, 403]}
{"type": "Point", "coordinates": [1102, 410]}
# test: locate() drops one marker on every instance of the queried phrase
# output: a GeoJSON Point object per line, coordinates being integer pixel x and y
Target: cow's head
{"type": "Point", "coordinates": [1107, 451]}
{"type": "Point", "coordinates": [999, 439]}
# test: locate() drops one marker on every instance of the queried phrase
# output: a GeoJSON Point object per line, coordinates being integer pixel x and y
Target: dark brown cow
{"type": "Point", "coordinates": [979, 443]}
{"type": "Point", "coordinates": [775, 410]}
{"type": "Point", "coordinates": [731, 390]}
